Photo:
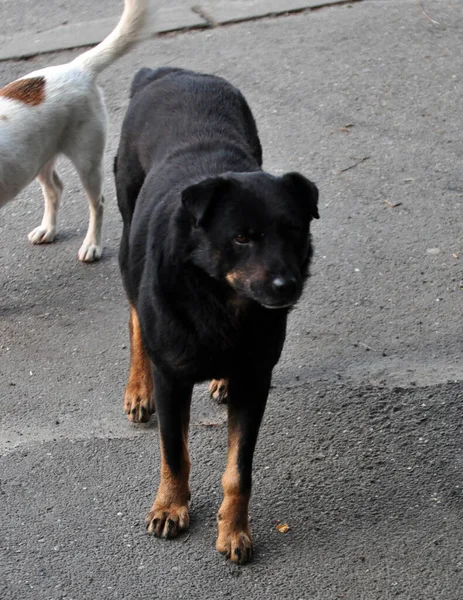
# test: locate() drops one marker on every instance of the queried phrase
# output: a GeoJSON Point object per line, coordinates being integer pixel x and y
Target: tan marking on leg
{"type": "Point", "coordinates": [30, 90]}
{"type": "Point", "coordinates": [138, 400]}
{"type": "Point", "coordinates": [169, 513]}
{"type": "Point", "coordinates": [234, 535]}
{"type": "Point", "coordinates": [218, 389]}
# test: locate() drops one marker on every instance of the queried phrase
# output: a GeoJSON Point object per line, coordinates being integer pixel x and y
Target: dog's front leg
{"type": "Point", "coordinates": [169, 513]}
{"type": "Point", "coordinates": [247, 397]}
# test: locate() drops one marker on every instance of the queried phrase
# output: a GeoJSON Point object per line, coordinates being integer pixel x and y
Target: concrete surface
{"type": "Point", "coordinates": [161, 19]}
{"type": "Point", "coordinates": [361, 451]}
{"type": "Point", "coordinates": [86, 33]}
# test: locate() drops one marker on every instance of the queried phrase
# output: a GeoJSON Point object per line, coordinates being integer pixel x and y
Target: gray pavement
{"type": "Point", "coordinates": [361, 451]}
{"type": "Point", "coordinates": [161, 19]}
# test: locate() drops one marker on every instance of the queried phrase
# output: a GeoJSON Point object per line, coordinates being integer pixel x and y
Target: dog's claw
{"type": "Point", "coordinates": [42, 235]}
{"type": "Point", "coordinates": [90, 252]}
{"type": "Point", "coordinates": [167, 522]}
{"type": "Point", "coordinates": [237, 547]}
{"type": "Point", "coordinates": [138, 403]}
{"type": "Point", "coordinates": [135, 410]}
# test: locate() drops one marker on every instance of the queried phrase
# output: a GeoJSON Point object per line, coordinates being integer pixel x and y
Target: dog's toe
{"type": "Point", "coordinates": [138, 404]}
{"type": "Point", "coordinates": [218, 389]}
{"type": "Point", "coordinates": [42, 235]}
{"type": "Point", "coordinates": [167, 521]}
{"type": "Point", "coordinates": [236, 546]}
{"type": "Point", "coordinates": [90, 252]}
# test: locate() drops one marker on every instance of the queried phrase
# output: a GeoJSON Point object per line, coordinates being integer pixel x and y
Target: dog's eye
{"type": "Point", "coordinates": [242, 239]}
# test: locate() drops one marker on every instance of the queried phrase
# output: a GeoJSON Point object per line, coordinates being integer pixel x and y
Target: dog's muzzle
{"type": "Point", "coordinates": [279, 292]}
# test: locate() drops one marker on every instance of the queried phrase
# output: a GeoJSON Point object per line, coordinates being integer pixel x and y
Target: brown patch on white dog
{"type": "Point", "coordinates": [28, 91]}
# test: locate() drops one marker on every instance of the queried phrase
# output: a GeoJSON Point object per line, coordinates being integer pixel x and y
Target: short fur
{"type": "Point", "coordinates": [214, 252]}
{"type": "Point", "coordinates": [60, 110]}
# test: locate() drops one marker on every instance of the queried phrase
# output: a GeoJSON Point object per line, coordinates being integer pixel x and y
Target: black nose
{"type": "Point", "coordinates": [285, 287]}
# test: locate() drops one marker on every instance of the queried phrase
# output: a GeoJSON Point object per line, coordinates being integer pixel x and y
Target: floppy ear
{"type": "Point", "coordinates": [305, 191]}
{"type": "Point", "coordinates": [200, 197]}
{"type": "Point", "coordinates": [141, 79]}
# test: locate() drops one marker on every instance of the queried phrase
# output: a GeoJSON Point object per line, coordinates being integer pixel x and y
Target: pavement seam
{"type": "Point", "coordinates": [175, 20]}
{"type": "Point", "coordinates": [206, 15]}
{"type": "Point", "coordinates": [271, 13]}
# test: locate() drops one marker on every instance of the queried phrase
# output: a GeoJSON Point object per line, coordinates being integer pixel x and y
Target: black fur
{"type": "Point", "coordinates": [214, 250]}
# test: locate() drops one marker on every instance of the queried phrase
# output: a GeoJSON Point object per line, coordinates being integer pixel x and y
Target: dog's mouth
{"type": "Point", "coordinates": [278, 306]}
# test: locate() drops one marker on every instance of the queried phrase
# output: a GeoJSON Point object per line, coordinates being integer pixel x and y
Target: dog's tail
{"type": "Point", "coordinates": [125, 34]}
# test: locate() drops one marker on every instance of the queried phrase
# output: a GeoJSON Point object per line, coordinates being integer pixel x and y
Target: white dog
{"type": "Point", "coordinates": [60, 110]}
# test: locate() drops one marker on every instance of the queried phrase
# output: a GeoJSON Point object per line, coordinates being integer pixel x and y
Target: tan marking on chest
{"type": "Point", "coordinates": [28, 91]}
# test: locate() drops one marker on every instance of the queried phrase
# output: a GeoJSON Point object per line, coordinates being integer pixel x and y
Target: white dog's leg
{"type": "Point", "coordinates": [92, 180]}
{"type": "Point", "coordinates": [52, 188]}
{"type": "Point", "coordinates": [85, 147]}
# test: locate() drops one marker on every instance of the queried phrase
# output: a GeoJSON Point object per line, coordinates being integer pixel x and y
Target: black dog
{"type": "Point", "coordinates": [214, 252]}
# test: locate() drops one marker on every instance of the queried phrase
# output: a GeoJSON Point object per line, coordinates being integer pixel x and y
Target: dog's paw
{"type": "Point", "coordinates": [218, 389]}
{"type": "Point", "coordinates": [138, 403]}
{"type": "Point", "coordinates": [42, 235]}
{"type": "Point", "coordinates": [235, 545]}
{"type": "Point", "coordinates": [167, 521]}
{"type": "Point", "coordinates": [90, 252]}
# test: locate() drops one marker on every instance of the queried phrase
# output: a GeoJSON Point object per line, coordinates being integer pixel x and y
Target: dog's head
{"type": "Point", "coordinates": [253, 231]}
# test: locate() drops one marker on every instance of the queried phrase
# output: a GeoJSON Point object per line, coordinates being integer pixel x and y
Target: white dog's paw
{"type": "Point", "coordinates": [90, 252]}
{"type": "Point", "coordinates": [42, 235]}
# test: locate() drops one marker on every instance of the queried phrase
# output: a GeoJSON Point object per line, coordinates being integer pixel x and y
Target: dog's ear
{"type": "Point", "coordinates": [141, 80]}
{"type": "Point", "coordinates": [199, 198]}
{"type": "Point", "coordinates": [305, 190]}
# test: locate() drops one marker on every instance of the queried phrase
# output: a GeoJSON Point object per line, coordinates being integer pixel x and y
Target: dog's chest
{"type": "Point", "coordinates": [213, 342]}
{"type": "Point", "coordinates": [210, 344]}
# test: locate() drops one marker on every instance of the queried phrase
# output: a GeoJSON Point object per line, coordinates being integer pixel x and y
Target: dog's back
{"type": "Point", "coordinates": [194, 108]}
{"type": "Point", "coordinates": [60, 110]}
{"type": "Point", "coordinates": [65, 109]}
{"type": "Point", "coordinates": [202, 118]}
{"type": "Point", "coordinates": [45, 109]}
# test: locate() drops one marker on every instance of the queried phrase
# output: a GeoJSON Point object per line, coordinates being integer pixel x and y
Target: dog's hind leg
{"type": "Point", "coordinates": [92, 180]}
{"type": "Point", "coordinates": [52, 188]}
{"type": "Point", "coordinates": [138, 399]}
{"type": "Point", "coordinates": [86, 151]}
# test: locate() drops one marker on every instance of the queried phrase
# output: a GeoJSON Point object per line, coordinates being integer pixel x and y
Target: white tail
{"type": "Point", "coordinates": [125, 34]}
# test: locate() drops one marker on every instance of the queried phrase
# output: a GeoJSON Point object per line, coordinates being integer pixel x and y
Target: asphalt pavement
{"type": "Point", "coordinates": [361, 449]}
